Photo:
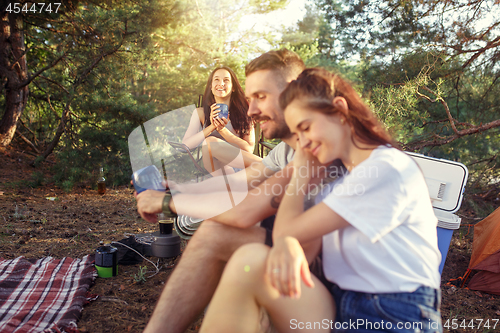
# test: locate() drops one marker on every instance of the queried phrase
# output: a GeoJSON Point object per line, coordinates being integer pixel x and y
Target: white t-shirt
{"type": "Point", "coordinates": [391, 242]}
{"type": "Point", "coordinates": [279, 157]}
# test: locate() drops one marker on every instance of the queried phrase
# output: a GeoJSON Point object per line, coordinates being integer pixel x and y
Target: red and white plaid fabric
{"type": "Point", "coordinates": [45, 295]}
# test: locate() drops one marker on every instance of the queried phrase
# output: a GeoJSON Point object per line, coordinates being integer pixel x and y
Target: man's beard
{"type": "Point", "coordinates": [280, 131]}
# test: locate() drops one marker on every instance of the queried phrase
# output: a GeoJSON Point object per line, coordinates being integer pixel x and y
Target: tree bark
{"type": "Point", "coordinates": [13, 72]}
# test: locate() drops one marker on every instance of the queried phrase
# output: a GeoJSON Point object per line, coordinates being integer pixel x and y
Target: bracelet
{"type": "Point", "coordinates": [165, 206]}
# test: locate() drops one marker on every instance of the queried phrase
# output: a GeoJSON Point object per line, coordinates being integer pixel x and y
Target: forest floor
{"type": "Point", "coordinates": [46, 221]}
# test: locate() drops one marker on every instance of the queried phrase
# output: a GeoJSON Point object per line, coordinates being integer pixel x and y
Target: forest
{"type": "Point", "coordinates": [77, 77]}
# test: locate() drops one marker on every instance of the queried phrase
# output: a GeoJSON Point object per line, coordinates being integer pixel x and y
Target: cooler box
{"type": "Point", "coordinates": [446, 182]}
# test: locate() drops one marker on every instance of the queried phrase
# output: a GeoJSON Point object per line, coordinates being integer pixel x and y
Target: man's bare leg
{"type": "Point", "coordinates": [193, 282]}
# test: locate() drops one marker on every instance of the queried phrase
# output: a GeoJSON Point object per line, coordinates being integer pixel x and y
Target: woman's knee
{"type": "Point", "coordinates": [212, 139]}
{"type": "Point", "coordinates": [252, 250]}
{"type": "Point", "coordinates": [206, 145]}
{"type": "Point", "coordinates": [249, 258]}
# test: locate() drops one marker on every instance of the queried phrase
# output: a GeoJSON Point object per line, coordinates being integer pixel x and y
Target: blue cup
{"type": "Point", "coordinates": [224, 111]}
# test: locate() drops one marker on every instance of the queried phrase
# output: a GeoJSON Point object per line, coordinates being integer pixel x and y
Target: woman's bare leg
{"type": "Point", "coordinates": [243, 289]}
{"type": "Point", "coordinates": [214, 166]}
{"type": "Point", "coordinates": [225, 154]}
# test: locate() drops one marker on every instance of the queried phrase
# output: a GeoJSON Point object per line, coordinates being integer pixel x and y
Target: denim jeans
{"type": "Point", "coordinates": [392, 312]}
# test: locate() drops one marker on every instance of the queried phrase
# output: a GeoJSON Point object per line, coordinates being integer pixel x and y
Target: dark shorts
{"type": "Point", "coordinates": [268, 224]}
{"type": "Point", "coordinates": [388, 312]}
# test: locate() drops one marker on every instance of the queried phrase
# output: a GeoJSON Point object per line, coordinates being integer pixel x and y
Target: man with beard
{"type": "Point", "coordinates": [195, 278]}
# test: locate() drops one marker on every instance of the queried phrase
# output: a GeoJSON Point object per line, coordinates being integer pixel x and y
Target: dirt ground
{"type": "Point", "coordinates": [46, 221]}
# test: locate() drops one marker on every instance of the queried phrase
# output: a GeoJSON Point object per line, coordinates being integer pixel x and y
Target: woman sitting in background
{"type": "Point", "coordinates": [375, 223]}
{"type": "Point", "coordinates": [223, 138]}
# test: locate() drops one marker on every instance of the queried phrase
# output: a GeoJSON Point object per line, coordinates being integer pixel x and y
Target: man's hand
{"type": "Point", "coordinates": [149, 203]}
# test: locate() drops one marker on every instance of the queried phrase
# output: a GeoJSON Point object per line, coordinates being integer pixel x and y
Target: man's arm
{"type": "Point", "coordinates": [211, 196]}
{"type": "Point", "coordinates": [242, 180]}
{"type": "Point", "coordinates": [259, 203]}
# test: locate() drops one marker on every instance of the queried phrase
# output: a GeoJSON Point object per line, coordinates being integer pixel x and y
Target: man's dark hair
{"type": "Point", "coordinates": [285, 63]}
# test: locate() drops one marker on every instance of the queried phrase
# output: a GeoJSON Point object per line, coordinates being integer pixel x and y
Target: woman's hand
{"type": "Point", "coordinates": [221, 123]}
{"type": "Point", "coordinates": [214, 111]}
{"type": "Point", "coordinates": [303, 159]}
{"type": "Point", "coordinates": [287, 266]}
{"type": "Point", "coordinates": [305, 165]}
{"type": "Point", "coordinates": [308, 166]}
{"type": "Point", "coordinates": [218, 123]}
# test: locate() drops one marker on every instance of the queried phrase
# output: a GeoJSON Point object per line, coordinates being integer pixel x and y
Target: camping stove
{"type": "Point", "coordinates": [166, 244]}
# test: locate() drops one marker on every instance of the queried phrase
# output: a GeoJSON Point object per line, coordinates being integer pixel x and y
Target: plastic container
{"type": "Point", "coordinates": [106, 261]}
{"type": "Point", "coordinates": [446, 183]}
{"type": "Point", "coordinates": [447, 222]}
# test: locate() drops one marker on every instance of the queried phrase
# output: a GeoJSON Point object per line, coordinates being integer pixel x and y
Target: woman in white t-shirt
{"type": "Point", "coordinates": [375, 223]}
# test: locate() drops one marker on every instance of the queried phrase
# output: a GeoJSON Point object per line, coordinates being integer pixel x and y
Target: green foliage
{"type": "Point", "coordinates": [20, 212]}
{"type": "Point", "coordinates": [417, 116]}
{"type": "Point", "coordinates": [109, 67]}
{"type": "Point", "coordinates": [261, 7]}
{"type": "Point", "coordinates": [480, 208]}
{"type": "Point", "coordinates": [397, 107]}
{"type": "Point", "coordinates": [140, 277]}
{"type": "Point", "coordinates": [418, 63]}
{"type": "Point", "coordinates": [37, 179]}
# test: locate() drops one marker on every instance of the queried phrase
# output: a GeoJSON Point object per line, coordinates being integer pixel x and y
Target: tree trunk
{"type": "Point", "coordinates": [13, 74]}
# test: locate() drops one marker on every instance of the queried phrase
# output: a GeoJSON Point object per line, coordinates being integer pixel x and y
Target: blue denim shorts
{"type": "Point", "coordinates": [395, 312]}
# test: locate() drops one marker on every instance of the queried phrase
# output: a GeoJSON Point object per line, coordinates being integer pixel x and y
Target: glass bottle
{"type": "Point", "coordinates": [101, 182]}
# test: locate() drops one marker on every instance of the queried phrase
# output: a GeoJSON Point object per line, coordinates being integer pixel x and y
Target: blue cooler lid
{"type": "Point", "coordinates": [445, 180]}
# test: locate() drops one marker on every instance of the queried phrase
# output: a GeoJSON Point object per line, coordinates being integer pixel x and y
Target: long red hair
{"type": "Point", "coordinates": [317, 88]}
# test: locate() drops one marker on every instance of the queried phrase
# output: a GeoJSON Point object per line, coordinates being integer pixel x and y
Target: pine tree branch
{"type": "Point", "coordinates": [440, 141]}
{"type": "Point", "coordinates": [51, 107]}
{"type": "Point", "coordinates": [56, 83]}
{"type": "Point", "coordinates": [62, 123]}
{"type": "Point", "coordinates": [27, 141]}
{"type": "Point", "coordinates": [29, 130]}
{"type": "Point", "coordinates": [198, 9]}
{"type": "Point", "coordinates": [447, 109]}
{"type": "Point", "coordinates": [32, 77]}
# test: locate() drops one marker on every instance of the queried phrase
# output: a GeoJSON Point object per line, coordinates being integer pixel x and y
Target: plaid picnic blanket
{"type": "Point", "coordinates": [44, 295]}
